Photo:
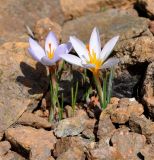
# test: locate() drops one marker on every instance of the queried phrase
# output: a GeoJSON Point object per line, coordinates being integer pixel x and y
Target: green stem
{"type": "Point", "coordinates": [53, 93]}
{"type": "Point", "coordinates": [99, 89]}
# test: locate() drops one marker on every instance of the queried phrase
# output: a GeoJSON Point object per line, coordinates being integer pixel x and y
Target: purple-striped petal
{"type": "Point", "coordinates": [47, 62]}
{"type": "Point", "coordinates": [61, 49]}
{"type": "Point", "coordinates": [51, 40]}
{"type": "Point", "coordinates": [69, 46]}
{"type": "Point", "coordinates": [35, 50]}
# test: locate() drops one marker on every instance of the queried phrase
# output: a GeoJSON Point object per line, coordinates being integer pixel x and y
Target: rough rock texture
{"type": "Point", "coordinates": [25, 13]}
{"type": "Point", "coordinates": [22, 82]}
{"type": "Point", "coordinates": [10, 155]}
{"type": "Point", "coordinates": [105, 128]}
{"type": "Point", "coordinates": [148, 152]}
{"type": "Point", "coordinates": [43, 26]}
{"type": "Point", "coordinates": [30, 119]}
{"type": "Point", "coordinates": [125, 109]}
{"type": "Point", "coordinates": [109, 153]}
{"type": "Point", "coordinates": [71, 126]}
{"type": "Point", "coordinates": [73, 8]}
{"type": "Point", "coordinates": [137, 50]}
{"type": "Point", "coordinates": [65, 143]}
{"type": "Point", "coordinates": [142, 125]}
{"type": "Point", "coordinates": [4, 147]}
{"type": "Point", "coordinates": [127, 143]}
{"type": "Point", "coordinates": [148, 89]}
{"type": "Point", "coordinates": [72, 154]}
{"type": "Point", "coordinates": [38, 142]}
{"type": "Point", "coordinates": [120, 23]}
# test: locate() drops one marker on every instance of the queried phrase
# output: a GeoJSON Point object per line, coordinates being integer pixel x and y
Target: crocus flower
{"type": "Point", "coordinates": [52, 51]}
{"type": "Point", "coordinates": [91, 56]}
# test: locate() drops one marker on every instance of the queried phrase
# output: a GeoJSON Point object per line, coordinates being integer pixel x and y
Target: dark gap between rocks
{"type": "Point", "coordinates": [20, 150]}
{"type": "Point", "coordinates": [140, 156]}
{"type": "Point", "coordinates": [140, 7]}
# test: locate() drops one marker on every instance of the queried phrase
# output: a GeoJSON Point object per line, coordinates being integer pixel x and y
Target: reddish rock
{"type": "Point", "coordinates": [128, 144]}
{"type": "Point", "coordinates": [105, 127]}
{"type": "Point", "coordinates": [73, 8]}
{"type": "Point", "coordinates": [148, 152]}
{"type": "Point", "coordinates": [126, 108]}
{"type": "Point", "coordinates": [23, 82]}
{"type": "Point", "coordinates": [66, 143]}
{"type": "Point", "coordinates": [38, 141]}
{"type": "Point", "coordinates": [148, 89]}
{"type": "Point", "coordinates": [109, 153]}
{"type": "Point", "coordinates": [151, 26]}
{"type": "Point", "coordinates": [24, 13]}
{"type": "Point", "coordinates": [88, 132]}
{"type": "Point", "coordinates": [12, 156]}
{"type": "Point", "coordinates": [4, 147]}
{"type": "Point", "coordinates": [72, 154]}
{"type": "Point", "coordinates": [30, 119]}
{"type": "Point", "coordinates": [44, 26]}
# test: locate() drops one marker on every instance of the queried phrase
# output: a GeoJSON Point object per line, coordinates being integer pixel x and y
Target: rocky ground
{"type": "Point", "coordinates": [124, 130]}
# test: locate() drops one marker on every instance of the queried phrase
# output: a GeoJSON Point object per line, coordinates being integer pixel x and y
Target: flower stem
{"type": "Point", "coordinates": [53, 93]}
{"type": "Point", "coordinates": [99, 89]}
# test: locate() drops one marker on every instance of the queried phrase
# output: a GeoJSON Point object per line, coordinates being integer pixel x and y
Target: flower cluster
{"type": "Point", "coordinates": [90, 57]}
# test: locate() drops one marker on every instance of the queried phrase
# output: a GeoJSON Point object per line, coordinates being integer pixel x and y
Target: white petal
{"type": "Point", "coordinates": [88, 65]}
{"type": "Point", "coordinates": [71, 59]}
{"type": "Point", "coordinates": [46, 61]}
{"type": "Point", "coordinates": [79, 47]}
{"type": "Point", "coordinates": [61, 49]}
{"type": "Point", "coordinates": [110, 63]}
{"type": "Point", "coordinates": [106, 51]}
{"type": "Point", "coordinates": [51, 39]}
{"type": "Point", "coordinates": [35, 50]}
{"type": "Point", "coordinates": [95, 43]}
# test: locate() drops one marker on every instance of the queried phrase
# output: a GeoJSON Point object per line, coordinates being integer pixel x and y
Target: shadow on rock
{"type": "Point", "coordinates": [34, 78]}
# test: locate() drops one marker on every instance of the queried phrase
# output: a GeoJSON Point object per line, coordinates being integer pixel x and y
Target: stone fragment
{"type": "Point", "coordinates": [148, 89]}
{"type": "Point", "coordinates": [148, 152]}
{"type": "Point", "coordinates": [72, 154]}
{"type": "Point", "coordinates": [30, 119]}
{"type": "Point", "coordinates": [102, 153]}
{"type": "Point", "coordinates": [129, 144]}
{"type": "Point", "coordinates": [126, 108]}
{"type": "Point", "coordinates": [36, 141]}
{"type": "Point", "coordinates": [4, 147]}
{"type": "Point", "coordinates": [71, 126]}
{"type": "Point", "coordinates": [105, 128]}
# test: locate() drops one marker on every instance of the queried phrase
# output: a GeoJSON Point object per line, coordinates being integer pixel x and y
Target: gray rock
{"type": "Point", "coordinates": [70, 127]}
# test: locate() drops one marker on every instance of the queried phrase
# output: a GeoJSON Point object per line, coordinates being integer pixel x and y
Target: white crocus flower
{"type": "Point", "coordinates": [52, 51]}
{"type": "Point", "coordinates": [92, 57]}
